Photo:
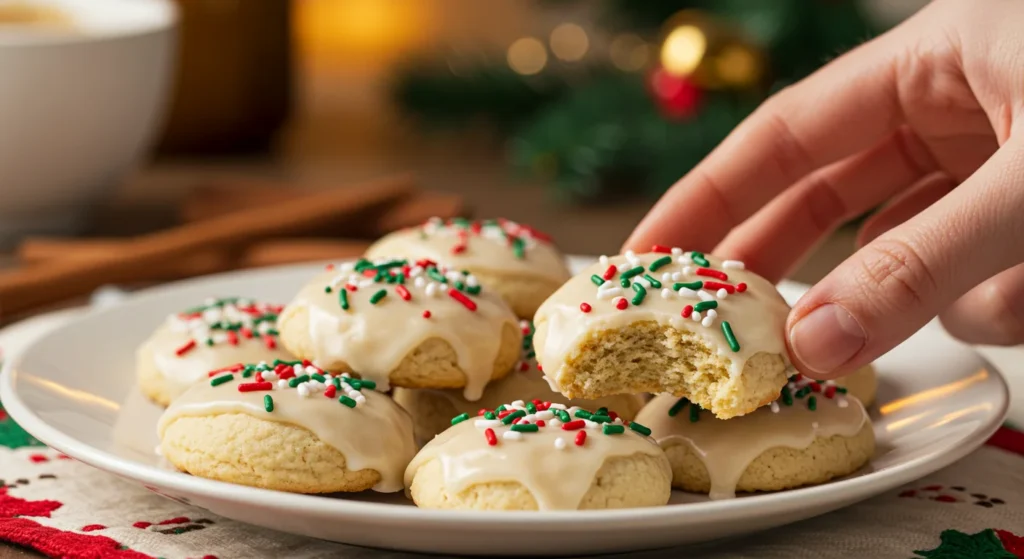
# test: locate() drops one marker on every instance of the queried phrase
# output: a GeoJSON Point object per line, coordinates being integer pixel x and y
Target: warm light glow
{"type": "Point", "coordinates": [933, 393]}
{"type": "Point", "coordinates": [737, 65]}
{"type": "Point", "coordinates": [527, 56]}
{"type": "Point", "coordinates": [953, 415]}
{"type": "Point", "coordinates": [365, 29]}
{"type": "Point", "coordinates": [569, 42]}
{"type": "Point", "coordinates": [683, 50]}
{"type": "Point", "coordinates": [628, 52]}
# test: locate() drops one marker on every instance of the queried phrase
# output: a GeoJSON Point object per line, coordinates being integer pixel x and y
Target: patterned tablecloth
{"type": "Point", "coordinates": [61, 508]}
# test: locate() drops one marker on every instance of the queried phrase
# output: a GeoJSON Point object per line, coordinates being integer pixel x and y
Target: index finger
{"type": "Point", "coordinates": [844, 108]}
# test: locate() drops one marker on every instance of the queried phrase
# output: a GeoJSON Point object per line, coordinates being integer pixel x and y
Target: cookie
{"type": "Point", "coordinates": [666, 322]}
{"type": "Point", "coordinates": [813, 433]}
{"type": "Point", "coordinates": [540, 457]}
{"type": "Point", "coordinates": [218, 333]}
{"type": "Point", "coordinates": [403, 323]}
{"type": "Point", "coordinates": [515, 261]}
{"type": "Point", "coordinates": [433, 409]}
{"type": "Point", "coordinates": [861, 384]}
{"type": "Point", "coordinates": [289, 426]}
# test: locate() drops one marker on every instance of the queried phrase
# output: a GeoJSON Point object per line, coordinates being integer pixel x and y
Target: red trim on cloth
{"type": "Point", "coordinates": [1012, 543]}
{"type": "Point", "coordinates": [14, 506]}
{"type": "Point", "coordinates": [1008, 439]}
{"type": "Point", "coordinates": [66, 545]}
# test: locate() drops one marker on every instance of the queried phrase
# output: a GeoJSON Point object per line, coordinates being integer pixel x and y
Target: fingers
{"type": "Point", "coordinates": [844, 108]}
{"type": "Point", "coordinates": [774, 241]}
{"type": "Point", "coordinates": [910, 203]}
{"type": "Point", "coordinates": [895, 284]}
{"type": "Point", "coordinates": [992, 313]}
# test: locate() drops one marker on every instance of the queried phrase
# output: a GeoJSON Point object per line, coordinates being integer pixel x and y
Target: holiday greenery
{"type": "Point", "coordinates": [594, 131]}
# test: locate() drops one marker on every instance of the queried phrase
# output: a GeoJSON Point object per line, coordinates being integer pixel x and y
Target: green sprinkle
{"type": "Point", "coordinates": [654, 283]}
{"type": "Point", "coordinates": [473, 290]}
{"type": "Point", "coordinates": [660, 262]}
{"type": "Point", "coordinates": [362, 264]}
{"type": "Point", "coordinates": [583, 414]}
{"type": "Point", "coordinates": [500, 408]}
{"type": "Point", "coordinates": [699, 259]}
{"type": "Point", "coordinates": [677, 407]}
{"type": "Point", "coordinates": [562, 416]}
{"type": "Point", "coordinates": [268, 403]}
{"type": "Point", "coordinates": [246, 372]}
{"type": "Point", "coordinates": [530, 407]}
{"type": "Point", "coordinates": [297, 381]}
{"type": "Point", "coordinates": [513, 416]}
{"type": "Point", "coordinates": [319, 377]}
{"type": "Point", "coordinates": [812, 403]}
{"type": "Point", "coordinates": [602, 410]}
{"type": "Point", "coordinates": [600, 418]}
{"type": "Point", "coordinates": [609, 429]}
{"type": "Point", "coordinates": [694, 413]}
{"type": "Point", "coordinates": [328, 289]}
{"type": "Point", "coordinates": [705, 305]}
{"type": "Point", "coordinates": [525, 428]}
{"type": "Point", "coordinates": [460, 418]}
{"type": "Point", "coordinates": [363, 383]}
{"type": "Point", "coordinates": [376, 297]}
{"type": "Point", "coordinates": [787, 396]}
{"type": "Point", "coordinates": [803, 392]}
{"type": "Point", "coordinates": [337, 382]}
{"type": "Point", "coordinates": [694, 285]}
{"type": "Point", "coordinates": [640, 429]}
{"type": "Point", "coordinates": [729, 336]}
{"type": "Point", "coordinates": [436, 276]}
{"type": "Point", "coordinates": [518, 248]}
{"type": "Point", "coordinates": [390, 264]}
{"type": "Point", "coordinates": [489, 415]}
{"type": "Point", "coordinates": [640, 293]}
{"type": "Point", "coordinates": [221, 380]}
{"type": "Point", "coordinates": [460, 286]}
{"type": "Point", "coordinates": [347, 401]}
{"type": "Point", "coordinates": [209, 341]}
{"type": "Point", "coordinates": [841, 390]}
{"type": "Point", "coordinates": [633, 272]}
{"type": "Point", "coordinates": [343, 298]}
{"type": "Point", "coordinates": [624, 282]}
{"type": "Point", "coordinates": [598, 280]}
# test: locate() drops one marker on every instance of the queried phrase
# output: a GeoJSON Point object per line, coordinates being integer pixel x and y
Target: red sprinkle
{"type": "Point", "coordinates": [475, 227]}
{"type": "Point", "coordinates": [502, 414]}
{"type": "Point", "coordinates": [524, 366]}
{"type": "Point", "coordinates": [259, 376]}
{"type": "Point", "coordinates": [610, 272]}
{"type": "Point", "coordinates": [458, 249]}
{"type": "Point", "coordinates": [370, 273]}
{"type": "Point", "coordinates": [330, 391]}
{"type": "Point", "coordinates": [175, 520]}
{"type": "Point", "coordinates": [426, 314]}
{"type": "Point", "coordinates": [329, 267]}
{"type": "Point", "coordinates": [424, 263]}
{"type": "Point", "coordinates": [662, 249]}
{"type": "Point", "coordinates": [539, 368]}
{"type": "Point", "coordinates": [246, 333]}
{"type": "Point", "coordinates": [481, 411]}
{"type": "Point", "coordinates": [741, 287]}
{"type": "Point", "coordinates": [613, 415]}
{"type": "Point", "coordinates": [351, 287]}
{"type": "Point", "coordinates": [492, 439]}
{"type": "Point", "coordinates": [581, 438]}
{"type": "Point", "coordinates": [540, 423]}
{"type": "Point", "coordinates": [189, 345]}
{"type": "Point", "coordinates": [574, 425]}
{"type": "Point", "coordinates": [622, 304]}
{"type": "Point", "coordinates": [403, 292]}
{"type": "Point", "coordinates": [687, 311]}
{"type": "Point", "coordinates": [539, 235]}
{"type": "Point", "coordinates": [715, 286]}
{"type": "Point", "coordinates": [268, 341]}
{"type": "Point", "coordinates": [458, 296]}
{"type": "Point", "coordinates": [230, 369]}
{"type": "Point", "coordinates": [232, 337]}
{"type": "Point", "coordinates": [142, 524]}
{"type": "Point", "coordinates": [585, 307]}
{"type": "Point", "coordinates": [830, 391]}
{"type": "Point", "coordinates": [708, 272]}
{"type": "Point", "coordinates": [255, 386]}
{"type": "Point", "coordinates": [37, 458]}
{"type": "Point", "coordinates": [815, 387]}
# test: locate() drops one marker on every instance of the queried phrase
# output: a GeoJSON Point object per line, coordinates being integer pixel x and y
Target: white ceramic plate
{"type": "Point", "coordinates": [73, 389]}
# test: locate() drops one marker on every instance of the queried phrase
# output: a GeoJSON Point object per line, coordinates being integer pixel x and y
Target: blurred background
{"type": "Point", "coordinates": [573, 116]}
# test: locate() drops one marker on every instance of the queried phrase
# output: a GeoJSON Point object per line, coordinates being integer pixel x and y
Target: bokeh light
{"type": "Point", "coordinates": [628, 52]}
{"type": "Point", "coordinates": [569, 42]}
{"type": "Point", "coordinates": [527, 56]}
{"type": "Point", "coordinates": [683, 50]}
{"type": "Point", "coordinates": [737, 65]}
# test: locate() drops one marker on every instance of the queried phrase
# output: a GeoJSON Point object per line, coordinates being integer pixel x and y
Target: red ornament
{"type": "Point", "coordinates": [676, 96]}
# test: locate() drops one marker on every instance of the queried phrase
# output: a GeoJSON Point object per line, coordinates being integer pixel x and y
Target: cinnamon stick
{"type": "Point", "coordinates": [294, 251]}
{"type": "Point", "coordinates": [32, 286]}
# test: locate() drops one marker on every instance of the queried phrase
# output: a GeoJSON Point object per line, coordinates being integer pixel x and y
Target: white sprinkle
{"type": "Point", "coordinates": [269, 376]}
{"type": "Point", "coordinates": [303, 390]}
{"type": "Point", "coordinates": [841, 402]}
{"type": "Point", "coordinates": [591, 424]}
{"type": "Point", "coordinates": [688, 270]}
{"type": "Point", "coordinates": [667, 293]}
{"type": "Point", "coordinates": [695, 316]}
{"type": "Point", "coordinates": [311, 370]}
{"type": "Point", "coordinates": [603, 260]}
{"type": "Point", "coordinates": [512, 435]}
{"type": "Point", "coordinates": [297, 369]}
{"type": "Point", "coordinates": [484, 423]}
{"type": "Point", "coordinates": [545, 415]}
{"type": "Point", "coordinates": [471, 281]}
{"type": "Point", "coordinates": [677, 276]}
{"type": "Point", "coordinates": [631, 256]}
{"type": "Point", "coordinates": [676, 251]}
{"type": "Point", "coordinates": [722, 293]}
{"type": "Point", "coordinates": [733, 265]}
{"type": "Point", "coordinates": [704, 295]}
{"type": "Point", "coordinates": [282, 383]}
{"type": "Point", "coordinates": [558, 406]}
{"type": "Point", "coordinates": [712, 313]}
{"type": "Point", "coordinates": [519, 405]}
{"type": "Point", "coordinates": [775, 407]}
{"type": "Point", "coordinates": [554, 422]}
{"type": "Point", "coordinates": [643, 282]}
{"type": "Point", "coordinates": [623, 267]}
{"type": "Point", "coordinates": [419, 282]}
{"type": "Point", "coordinates": [560, 443]}
{"type": "Point", "coordinates": [365, 283]}
{"type": "Point", "coordinates": [708, 321]}
{"type": "Point", "coordinates": [609, 293]}
{"type": "Point", "coordinates": [665, 276]}
{"type": "Point", "coordinates": [431, 289]}
{"type": "Point", "coordinates": [687, 292]}
{"type": "Point", "coordinates": [814, 424]}
{"type": "Point", "coordinates": [530, 418]}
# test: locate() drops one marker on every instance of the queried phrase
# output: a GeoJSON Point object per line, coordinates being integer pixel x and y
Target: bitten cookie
{"type": "Point", "coordinates": [515, 261]}
{"type": "Point", "coordinates": [670, 321]}
{"type": "Point", "coordinates": [403, 323]}
{"type": "Point", "coordinates": [811, 434]}
{"type": "Point", "coordinates": [523, 456]}
{"type": "Point", "coordinates": [433, 409]}
{"type": "Point", "coordinates": [190, 343]}
{"type": "Point", "coordinates": [290, 427]}
{"type": "Point", "coordinates": [862, 384]}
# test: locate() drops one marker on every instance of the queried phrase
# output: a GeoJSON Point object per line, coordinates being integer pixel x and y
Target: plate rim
{"type": "Point", "coordinates": [857, 488]}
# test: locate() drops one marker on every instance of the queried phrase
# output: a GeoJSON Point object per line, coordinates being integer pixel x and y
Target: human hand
{"type": "Point", "coordinates": [929, 119]}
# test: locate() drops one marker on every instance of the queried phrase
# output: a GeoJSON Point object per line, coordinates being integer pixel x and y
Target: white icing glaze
{"type": "Point", "coordinates": [376, 434]}
{"type": "Point", "coordinates": [757, 315]}
{"type": "Point", "coordinates": [477, 248]}
{"type": "Point", "coordinates": [181, 365]}
{"type": "Point", "coordinates": [727, 447]}
{"type": "Point", "coordinates": [374, 338]}
{"type": "Point", "coordinates": [557, 475]}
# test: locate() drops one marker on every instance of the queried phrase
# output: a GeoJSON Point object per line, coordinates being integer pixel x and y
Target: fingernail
{"type": "Point", "coordinates": [826, 338]}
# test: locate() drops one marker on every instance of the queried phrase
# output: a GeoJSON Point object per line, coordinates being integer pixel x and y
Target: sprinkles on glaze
{"type": "Point", "coordinates": [513, 421]}
{"type": "Point", "coordinates": [306, 379]}
{"type": "Point", "coordinates": [230, 320]}
{"type": "Point", "coordinates": [688, 282]}
{"type": "Point", "coordinates": [521, 238]}
{"type": "Point", "coordinates": [798, 387]}
{"type": "Point", "coordinates": [526, 359]}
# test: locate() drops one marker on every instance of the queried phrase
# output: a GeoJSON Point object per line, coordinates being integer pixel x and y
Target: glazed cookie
{"type": "Point", "coordinates": [671, 322]}
{"type": "Point", "coordinates": [403, 323]}
{"type": "Point", "coordinates": [515, 261]}
{"type": "Point", "coordinates": [190, 343]}
{"type": "Point", "coordinates": [811, 434]}
{"type": "Point", "coordinates": [289, 426]}
{"type": "Point", "coordinates": [433, 409]}
{"type": "Point", "coordinates": [525, 456]}
{"type": "Point", "coordinates": [861, 384]}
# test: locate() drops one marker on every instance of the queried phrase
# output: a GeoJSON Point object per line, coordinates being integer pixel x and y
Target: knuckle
{"type": "Point", "coordinates": [788, 153]}
{"type": "Point", "coordinates": [1004, 321]}
{"type": "Point", "coordinates": [894, 275]}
